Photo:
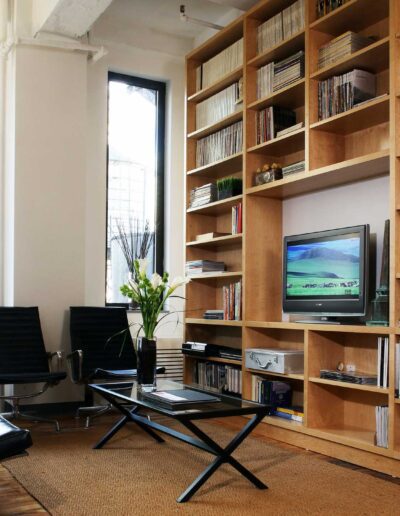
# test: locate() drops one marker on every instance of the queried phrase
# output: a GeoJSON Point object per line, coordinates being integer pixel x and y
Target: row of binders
{"type": "Point", "coordinates": [271, 120]}
{"type": "Point", "coordinates": [342, 92]}
{"type": "Point", "coordinates": [223, 63]}
{"type": "Point", "coordinates": [275, 76]}
{"type": "Point", "coordinates": [217, 377]}
{"type": "Point", "coordinates": [282, 26]}
{"type": "Point", "coordinates": [219, 106]}
{"type": "Point", "coordinates": [232, 301]}
{"type": "Point", "coordinates": [220, 145]}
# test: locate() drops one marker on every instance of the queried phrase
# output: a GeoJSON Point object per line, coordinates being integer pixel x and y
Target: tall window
{"type": "Point", "coordinates": [135, 176]}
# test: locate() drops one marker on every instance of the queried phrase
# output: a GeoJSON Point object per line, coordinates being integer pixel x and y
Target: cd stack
{"type": "Point", "coordinates": [218, 106]}
{"type": "Point", "coordinates": [203, 195]}
{"type": "Point", "coordinates": [220, 145]}
{"type": "Point", "coordinates": [218, 66]}
{"type": "Point", "coordinates": [300, 166]}
{"type": "Point", "coordinates": [342, 92]}
{"type": "Point", "coordinates": [217, 377]}
{"type": "Point", "coordinates": [282, 26]}
{"type": "Point", "coordinates": [203, 266]}
{"type": "Point", "coordinates": [340, 47]}
{"type": "Point", "coordinates": [275, 76]}
{"type": "Point", "coordinates": [271, 120]}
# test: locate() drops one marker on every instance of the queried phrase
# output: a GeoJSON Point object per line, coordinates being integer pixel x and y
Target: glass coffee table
{"type": "Point", "coordinates": [126, 398]}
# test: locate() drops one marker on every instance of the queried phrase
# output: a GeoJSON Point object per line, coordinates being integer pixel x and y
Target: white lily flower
{"type": "Point", "coordinates": [179, 281]}
{"type": "Point", "coordinates": [156, 280]}
{"type": "Point", "coordinates": [143, 265]}
{"type": "Point", "coordinates": [134, 286]}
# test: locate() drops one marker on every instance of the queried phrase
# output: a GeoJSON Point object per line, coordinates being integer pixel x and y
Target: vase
{"type": "Point", "coordinates": [146, 364]}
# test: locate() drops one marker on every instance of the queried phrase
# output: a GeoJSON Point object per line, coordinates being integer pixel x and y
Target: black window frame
{"type": "Point", "coordinates": [159, 238]}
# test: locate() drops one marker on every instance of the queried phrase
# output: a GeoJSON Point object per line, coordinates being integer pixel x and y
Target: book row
{"type": "Point", "coordinates": [382, 417]}
{"type": "Point", "coordinates": [220, 145]}
{"type": "Point", "coordinates": [217, 377]}
{"type": "Point", "coordinates": [220, 105]}
{"type": "Point", "coordinates": [326, 6]}
{"type": "Point", "coordinates": [271, 120]}
{"type": "Point", "coordinates": [232, 301]}
{"type": "Point", "coordinates": [237, 219]}
{"type": "Point", "coordinates": [275, 76]}
{"type": "Point", "coordinates": [282, 26]}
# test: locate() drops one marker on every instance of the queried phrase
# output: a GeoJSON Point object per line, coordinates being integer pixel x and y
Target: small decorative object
{"type": "Point", "coordinates": [135, 242]}
{"type": "Point", "coordinates": [229, 187]}
{"type": "Point", "coordinates": [268, 173]}
{"type": "Point", "coordinates": [150, 294]}
{"type": "Point", "coordinates": [380, 305]}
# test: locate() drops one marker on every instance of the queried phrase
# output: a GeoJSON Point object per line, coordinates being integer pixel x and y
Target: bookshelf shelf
{"type": "Point", "coordinates": [288, 143]}
{"type": "Point", "coordinates": [373, 58]}
{"type": "Point", "coordinates": [347, 385]}
{"type": "Point", "coordinates": [284, 423]}
{"type": "Point", "coordinates": [290, 97]}
{"type": "Point", "coordinates": [209, 129]}
{"type": "Point", "coordinates": [217, 242]}
{"type": "Point", "coordinates": [218, 168]}
{"type": "Point", "coordinates": [370, 113]}
{"type": "Point", "coordinates": [217, 207]}
{"type": "Point", "coordinates": [215, 275]}
{"type": "Point", "coordinates": [278, 375]}
{"type": "Point", "coordinates": [397, 400]}
{"type": "Point", "coordinates": [224, 82]}
{"type": "Point", "coordinates": [287, 47]}
{"type": "Point", "coordinates": [213, 322]}
{"type": "Point", "coordinates": [219, 360]}
{"type": "Point", "coordinates": [340, 328]}
{"type": "Point", "coordinates": [349, 171]}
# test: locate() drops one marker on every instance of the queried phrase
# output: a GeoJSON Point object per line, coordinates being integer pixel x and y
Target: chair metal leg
{"type": "Point", "coordinates": [91, 412]}
{"type": "Point", "coordinates": [17, 414]}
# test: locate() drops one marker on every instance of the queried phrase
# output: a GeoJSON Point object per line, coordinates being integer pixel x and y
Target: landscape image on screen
{"type": "Point", "coordinates": [324, 269]}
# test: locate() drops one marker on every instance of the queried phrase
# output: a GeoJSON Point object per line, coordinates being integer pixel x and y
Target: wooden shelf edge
{"type": "Point", "coordinates": [216, 204]}
{"type": "Point", "coordinates": [287, 424]}
{"type": "Point", "coordinates": [218, 360]}
{"type": "Point", "coordinates": [265, 56]}
{"type": "Point", "coordinates": [269, 143]}
{"type": "Point", "coordinates": [348, 385]}
{"type": "Point", "coordinates": [212, 275]}
{"type": "Point", "coordinates": [332, 14]}
{"type": "Point", "coordinates": [209, 166]}
{"type": "Point", "coordinates": [339, 328]}
{"type": "Point", "coordinates": [280, 375]}
{"type": "Point", "coordinates": [212, 322]}
{"type": "Point", "coordinates": [269, 98]}
{"type": "Point", "coordinates": [224, 240]}
{"type": "Point", "coordinates": [217, 86]}
{"type": "Point", "coordinates": [221, 124]}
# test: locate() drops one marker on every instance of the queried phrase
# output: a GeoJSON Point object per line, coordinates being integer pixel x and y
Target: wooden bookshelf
{"type": "Point", "coordinates": [355, 146]}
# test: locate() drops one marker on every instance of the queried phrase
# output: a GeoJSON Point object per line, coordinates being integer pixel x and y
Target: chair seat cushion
{"type": "Point", "coordinates": [13, 440]}
{"type": "Point", "coordinates": [11, 378]}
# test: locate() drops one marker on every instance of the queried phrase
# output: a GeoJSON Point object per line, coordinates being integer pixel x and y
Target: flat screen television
{"type": "Point", "coordinates": [327, 273]}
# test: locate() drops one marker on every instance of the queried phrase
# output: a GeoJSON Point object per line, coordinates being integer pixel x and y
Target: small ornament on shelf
{"type": "Point", "coordinates": [268, 173]}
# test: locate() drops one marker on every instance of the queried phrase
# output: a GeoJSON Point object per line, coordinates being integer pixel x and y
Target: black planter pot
{"type": "Point", "coordinates": [146, 364]}
{"type": "Point", "coordinates": [228, 192]}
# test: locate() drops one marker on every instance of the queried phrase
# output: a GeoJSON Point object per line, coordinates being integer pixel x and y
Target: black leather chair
{"type": "Point", "coordinates": [23, 358]}
{"type": "Point", "coordinates": [101, 350]}
{"type": "Point", "coordinates": [13, 440]}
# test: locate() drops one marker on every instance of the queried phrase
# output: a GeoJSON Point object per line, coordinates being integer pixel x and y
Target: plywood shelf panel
{"type": "Point", "coordinates": [296, 426]}
{"type": "Point", "coordinates": [349, 171]}
{"type": "Point", "coordinates": [371, 113]}
{"type": "Point", "coordinates": [341, 328]}
{"type": "Point", "coordinates": [290, 97]}
{"type": "Point", "coordinates": [217, 242]}
{"type": "Point", "coordinates": [289, 143]}
{"type": "Point", "coordinates": [219, 85]}
{"type": "Point", "coordinates": [219, 168]}
{"type": "Point", "coordinates": [217, 207]}
{"type": "Point", "coordinates": [355, 437]}
{"type": "Point", "coordinates": [217, 360]}
{"type": "Point", "coordinates": [212, 322]}
{"type": "Point", "coordinates": [280, 51]}
{"type": "Point", "coordinates": [280, 375]}
{"type": "Point", "coordinates": [374, 58]}
{"type": "Point", "coordinates": [212, 128]}
{"type": "Point", "coordinates": [214, 275]}
{"type": "Point", "coordinates": [348, 385]}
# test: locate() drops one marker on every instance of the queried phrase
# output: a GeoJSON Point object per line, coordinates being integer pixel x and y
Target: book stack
{"type": "Point", "coordinates": [349, 376]}
{"type": "Point", "coordinates": [203, 195]}
{"type": "Point", "coordinates": [216, 315]}
{"type": "Point", "coordinates": [223, 63]}
{"type": "Point", "coordinates": [203, 266]}
{"type": "Point", "coordinates": [340, 47]}
{"type": "Point", "coordinates": [220, 145]}
{"type": "Point", "coordinates": [397, 371]}
{"type": "Point", "coordinates": [232, 301]}
{"type": "Point", "coordinates": [218, 106]}
{"type": "Point", "coordinates": [290, 129]}
{"type": "Point", "coordinates": [275, 76]}
{"type": "Point", "coordinates": [300, 166]}
{"type": "Point", "coordinates": [271, 392]}
{"type": "Point", "coordinates": [342, 92]}
{"type": "Point", "coordinates": [271, 120]}
{"type": "Point", "coordinates": [237, 219]}
{"type": "Point", "coordinates": [282, 26]}
{"type": "Point", "coordinates": [217, 377]}
{"type": "Point", "coordinates": [327, 6]}
{"type": "Point", "coordinates": [381, 416]}
{"type": "Point", "coordinates": [383, 362]}
{"type": "Point", "coordinates": [291, 413]}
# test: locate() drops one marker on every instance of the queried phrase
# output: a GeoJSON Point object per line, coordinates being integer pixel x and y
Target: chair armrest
{"type": "Point", "coordinates": [59, 356]}
{"type": "Point", "coordinates": [71, 360]}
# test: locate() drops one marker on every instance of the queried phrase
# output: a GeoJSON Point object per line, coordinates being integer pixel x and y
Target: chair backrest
{"type": "Point", "coordinates": [91, 328]}
{"type": "Point", "coordinates": [21, 341]}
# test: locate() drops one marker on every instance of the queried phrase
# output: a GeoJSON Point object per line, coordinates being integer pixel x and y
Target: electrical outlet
{"type": "Point", "coordinates": [350, 368]}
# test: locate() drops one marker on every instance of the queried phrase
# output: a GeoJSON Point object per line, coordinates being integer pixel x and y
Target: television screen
{"type": "Point", "coordinates": [326, 268]}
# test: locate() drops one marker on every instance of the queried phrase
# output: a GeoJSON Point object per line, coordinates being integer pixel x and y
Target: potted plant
{"type": "Point", "coordinates": [150, 294]}
{"type": "Point", "coordinates": [229, 187]}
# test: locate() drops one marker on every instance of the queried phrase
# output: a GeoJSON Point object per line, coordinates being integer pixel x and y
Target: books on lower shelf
{"type": "Point", "coordinates": [219, 106]}
{"type": "Point", "coordinates": [203, 195]}
{"type": "Point", "coordinates": [237, 219]}
{"type": "Point", "coordinates": [275, 76]}
{"type": "Point", "coordinates": [282, 26]}
{"type": "Point", "coordinates": [294, 168]}
{"type": "Point", "coordinates": [271, 392]}
{"type": "Point", "coordinates": [343, 92]}
{"type": "Point", "coordinates": [221, 64]}
{"type": "Point", "coordinates": [383, 362]}
{"type": "Point", "coordinates": [216, 377]}
{"type": "Point", "coordinates": [327, 6]}
{"type": "Point", "coordinates": [271, 120]}
{"type": "Point", "coordinates": [382, 417]}
{"type": "Point", "coordinates": [340, 47]}
{"type": "Point", "coordinates": [291, 413]}
{"type": "Point", "coordinates": [219, 145]}
{"type": "Point", "coordinates": [357, 377]}
{"type": "Point", "coordinates": [232, 301]}
{"type": "Point", "coordinates": [203, 266]}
